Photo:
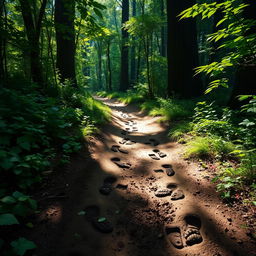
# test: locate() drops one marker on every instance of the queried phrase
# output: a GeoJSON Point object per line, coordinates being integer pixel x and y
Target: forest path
{"type": "Point", "coordinates": [139, 197]}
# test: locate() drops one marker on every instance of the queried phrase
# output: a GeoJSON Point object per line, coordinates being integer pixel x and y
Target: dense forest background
{"type": "Point", "coordinates": [191, 62]}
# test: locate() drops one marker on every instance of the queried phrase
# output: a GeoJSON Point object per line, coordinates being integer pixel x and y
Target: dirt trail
{"type": "Point", "coordinates": [138, 197]}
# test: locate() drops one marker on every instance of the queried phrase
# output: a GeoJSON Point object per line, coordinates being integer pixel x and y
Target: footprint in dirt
{"type": "Point", "coordinates": [124, 132]}
{"type": "Point", "coordinates": [107, 186]}
{"type": "Point", "coordinates": [171, 190]}
{"type": "Point", "coordinates": [188, 236]}
{"type": "Point", "coordinates": [174, 236]}
{"type": "Point", "coordinates": [101, 224]}
{"type": "Point", "coordinates": [159, 170]}
{"type": "Point", "coordinates": [116, 148]}
{"type": "Point", "coordinates": [169, 169]}
{"type": "Point", "coordinates": [125, 116]}
{"type": "Point", "coordinates": [122, 186]}
{"type": "Point", "coordinates": [154, 156]}
{"type": "Point", "coordinates": [152, 142]}
{"type": "Point", "coordinates": [192, 230]}
{"type": "Point", "coordinates": [120, 164]}
{"type": "Point", "coordinates": [127, 141]}
{"type": "Point", "coordinates": [161, 154]}
{"type": "Point", "coordinates": [177, 193]}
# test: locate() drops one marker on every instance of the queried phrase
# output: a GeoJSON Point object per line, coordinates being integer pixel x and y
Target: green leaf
{"type": "Point", "coordinates": [8, 200]}
{"type": "Point", "coordinates": [24, 142]}
{"type": "Point", "coordinates": [8, 219]}
{"type": "Point", "coordinates": [22, 245]}
{"type": "Point", "coordinates": [81, 213]}
{"type": "Point", "coordinates": [102, 219]}
{"type": "Point", "coordinates": [98, 13]}
{"type": "Point", "coordinates": [30, 225]}
{"type": "Point", "coordinates": [21, 197]}
{"type": "Point", "coordinates": [21, 210]}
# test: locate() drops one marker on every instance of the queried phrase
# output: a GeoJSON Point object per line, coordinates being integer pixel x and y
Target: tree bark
{"type": "Point", "coordinates": [124, 76]}
{"type": "Point", "coordinates": [109, 67]}
{"type": "Point", "coordinates": [2, 66]}
{"type": "Point", "coordinates": [65, 39]}
{"type": "Point", "coordinates": [133, 49]}
{"type": "Point", "coordinates": [163, 32]}
{"type": "Point", "coordinates": [99, 53]}
{"type": "Point", "coordinates": [182, 52]}
{"type": "Point", "coordinates": [33, 30]}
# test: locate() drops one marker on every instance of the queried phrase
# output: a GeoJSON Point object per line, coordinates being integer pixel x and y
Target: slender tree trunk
{"type": "Point", "coordinates": [163, 32]}
{"type": "Point", "coordinates": [50, 49]}
{"type": "Point", "coordinates": [2, 46]}
{"type": "Point", "coordinates": [133, 49]}
{"type": "Point", "coordinates": [138, 63]}
{"type": "Point", "coordinates": [109, 67]}
{"type": "Point", "coordinates": [182, 52]}
{"type": "Point", "coordinates": [65, 39]}
{"type": "Point", "coordinates": [99, 52]}
{"type": "Point", "coordinates": [33, 30]}
{"type": "Point", "coordinates": [124, 76]}
{"type": "Point", "coordinates": [146, 49]}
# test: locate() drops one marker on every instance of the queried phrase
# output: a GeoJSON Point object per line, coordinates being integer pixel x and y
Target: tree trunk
{"type": "Point", "coordinates": [33, 30]}
{"type": "Point", "coordinates": [133, 49]}
{"type": "Point", "coordinates": [99, 52]}
{"type": "Point", "coordinates": [124, 76]}
{"type": "Point", "coordinates": [109, 67]}
{"type": "Point", "coordinates": [65, 39]}
{"type": "Point", "coordinates": [182, 52]}
{"type": "Point", "coordinates": [163, 32]}
{"type": "Point", "coordinates": [2, 66]}
{"type": "Point", "coordinates": [138, 63]}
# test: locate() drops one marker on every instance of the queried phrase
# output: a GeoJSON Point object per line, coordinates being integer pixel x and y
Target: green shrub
{"type": "Point", "coordinates": [35, 128]}
{"type": "Point", "coordinates": [209, 147]}
{"type": "Point", "coordinates": [179, 130]}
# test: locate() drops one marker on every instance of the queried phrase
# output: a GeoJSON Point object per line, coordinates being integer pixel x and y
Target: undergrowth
{"type": "Point", "coordinates": [35, 131]}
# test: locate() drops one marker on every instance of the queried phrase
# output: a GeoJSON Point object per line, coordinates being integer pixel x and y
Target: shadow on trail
{"type": "Point", "coordinates": [138, 219]}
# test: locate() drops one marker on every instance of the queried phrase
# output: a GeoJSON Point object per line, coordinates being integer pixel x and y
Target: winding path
{"type": "Point", "coordinates": [137, 197]}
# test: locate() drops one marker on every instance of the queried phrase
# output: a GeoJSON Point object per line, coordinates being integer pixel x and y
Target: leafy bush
{"type": "Point", "coordinates": [180, 129]}
{"type": "Point", "coordinates": [172, 109]}
{"type": "Point", "coordinates": [33, 130]}
{"type": "Point", "coordinates": [209, 147]}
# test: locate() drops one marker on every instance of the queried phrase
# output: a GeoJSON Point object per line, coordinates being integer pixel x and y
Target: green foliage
{"type": "Point", "coordinates": [209, 147]}
{"type": "Point", "coordinates": [172, 109]}
{"type": "Point", "coordinates": [179, 130]}
{"type": "Point", "coordinates": [235, 36]}
{"type": "Point", "coordinates": [22, 245]}
{"type": "Point", "coordinates": [127, 98]}
{"type": "Point", "coordinates": [33, 130]}
{"type": "Point", "coordinates": [8, 219]}
{"type": "Point", "coordinates": [143, 25]}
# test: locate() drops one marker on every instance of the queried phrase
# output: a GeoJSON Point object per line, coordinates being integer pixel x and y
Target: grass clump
{"type": "Point", "coordinates": [179, 130]}
{"type": "Point", "coordinates": [209, 147]}
{"type": "Point", "coordinates": [173, 109]}
{"type": "Point", "coordinates": [125, 97]}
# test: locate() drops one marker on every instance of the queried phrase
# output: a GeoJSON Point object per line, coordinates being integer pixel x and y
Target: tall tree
{"type": "Point", "coordinates": [33, 25]}
{"type": "Point", "coordinates": [124, 74]}
{"type": "Point", "coordinates": [2, 44]}
{"type": "Point", "coordinates": [65, 39]}
{"type": "Point", "coordinates": [182, 52]}
{"type": "Point", "coordinates": [133, 48]}
{"type": "Point", "coordinates": [163, 31]}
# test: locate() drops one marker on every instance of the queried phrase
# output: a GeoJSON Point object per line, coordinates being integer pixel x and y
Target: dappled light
{"type": "Point", "coordinates": [127, 128]}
